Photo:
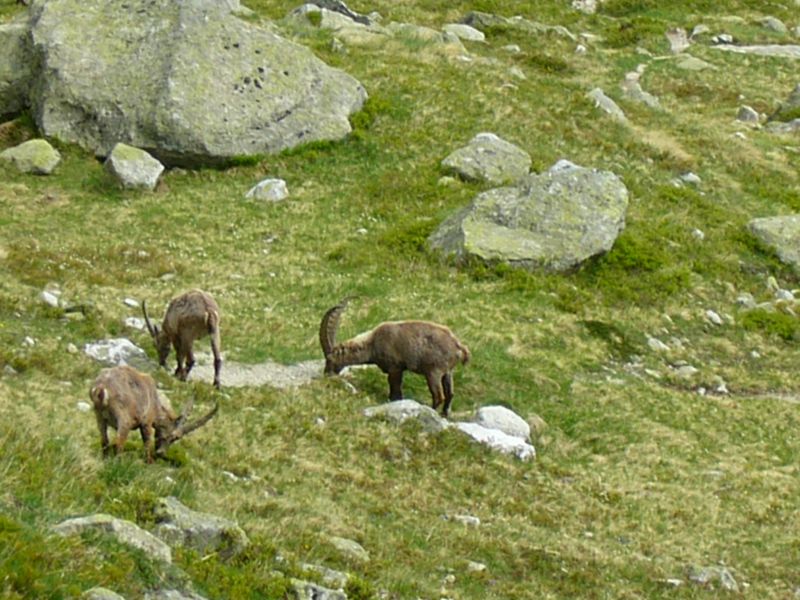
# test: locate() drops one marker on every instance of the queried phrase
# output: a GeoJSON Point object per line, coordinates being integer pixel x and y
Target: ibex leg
{"type": "Point", "coordinates": [147, 442]}
{"type": "Point", "coordinates": [103, 427]}
{"type": "Point", "coordinates": [435, 386]}
{"type": "Point", "coordinates": [395, 385]}
{"type": "Point", "coordinates": [447, 385]}
{"type": "Point", "coordinates": [215, 349]}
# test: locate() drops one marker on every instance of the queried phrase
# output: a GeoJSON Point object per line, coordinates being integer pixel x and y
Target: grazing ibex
{"type": "Point", "coordinates": [421, 347]}
{"type": "Point", "coordinates": [126, 399]}
{"type": "Point", "coordinates": [189, 317]}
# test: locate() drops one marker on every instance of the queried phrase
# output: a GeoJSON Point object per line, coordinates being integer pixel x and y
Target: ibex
{"type": "Point", "coordinates": [189, 317]}
{"type": "Point", "coordinates": [126, 399]}
{"type": "Point", "coordinates": [421, 347]}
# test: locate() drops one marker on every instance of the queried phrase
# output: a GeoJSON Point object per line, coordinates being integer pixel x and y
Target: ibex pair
{"type": "Point", "coordinates": [127, 399]}
{"type": "Point", "coordinates": [421, 347]}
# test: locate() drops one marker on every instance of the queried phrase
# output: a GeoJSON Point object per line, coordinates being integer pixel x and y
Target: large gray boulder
{"type": "Point", "coordinates": [781, 234]}
{"type": "Point", "coordinates": [185, 80]}
{"type": "Point", "coordinates": [489, 158]}
{"type": "Point", "coordinates": [180, 526]}
{"type": "Point", "coordinates": [554, 220]}
{"type": "Point", "coordinates": [16, 67]}
{"type": "Point", "coordinates": [125, 532]}
{"type": "Point", "coordinates": [400, 411]}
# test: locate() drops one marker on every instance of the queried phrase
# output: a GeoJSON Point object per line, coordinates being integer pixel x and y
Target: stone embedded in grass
{"type": "Point", "coordinates": [271, 190]}
{"type": "Point", "coordinates": [488, 158]}
{"type": "Point", "coordinates": [711, 575]}
{"type": "Point", "coordinates": [178, 525]}
{"type": "Point", "coordinates": [747, 114]}
{"type": "Point", "coordinates": [331, 577]}
{"type": "Point", "coordinates": [118, 351]}
{"type": "Point", "coordinates": [497, 440]}
{"type": "Point", "coordinates": [125, 532]}
{"type": "Point", "coordinates": [607, 105]}
{"type": "Point", "coordinates": [781, 234]}
{"type": "Point", "coordinates": [401, 411]}
{"type": "Point", "coordinates": [465, 32]}
{"type": "Point", "coordinates": [504, 419]}
{"type": "Point", "coordinates": [34, 156]}
{"type": "Point", "coordinates": [349, 548]}
{"type": "Point", "coordinates": [100, 593]}
{"type": "Point", "coordinates": [774, 24]}
{"type": "Point", "coordinates": [172, 595]}
{"type": "Point", "coordinates": [305, 590]}
{"type": "Point", "coordinates": [133, 167]}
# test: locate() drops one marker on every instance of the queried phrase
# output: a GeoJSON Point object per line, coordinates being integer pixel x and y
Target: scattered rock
{"type": "Point", "coordinates": [711, 575]}
{"type": "Point", "coordinates": [678, 40]}
{"type": "Point", "coordinates": [270, 373]}
{"type": "Point", "coordinates": [632, 90]}
{"type": "Point", "coordinates": [781, 50]}
{"type": "Point", "coordinates": [181, 526]}
{"type": "Point", "coordinates": [607, 105]}
{"type": "Point", "coordinates": [330, 577]}
{"type": "Point", "coordinates": [475, 567]}
{"type": "Point", "coordinates": [686, 371]}
{"type": "Point", "coordinates": [305, 590]}
{"type": "Point", "coordinates": [118, 351]}
{"type": "Point", "coordinates": [172, 595]}
{"type": "Point", "coordinates": [469, 520]}
{"type": "Point", "coordinates": [271, 190]}
{"type": "Point", "coordinates": [34, 156]}
{"type": "Point", "coordinates": [489, 158]}
{"type": "Point", "coordinates": [465, 32]}
{"type": "Point", "coordinates": [49, 298]}
{"type": "Point", "coordinates": [135, 323]}
{"type": "Point", "coordinates": [781, 234]}
{"type": "Point", "coordinates": [497, 440]}
{"type": "Point", "coordinates": [692, 63]}
{"type": "Point", "coordinates": [100, 593]}
{"type": "Point", "coordinates": [747, 114]}
{"type": "Point", "coordinates": [484, 21]}
{"type": "Point", "coordinates": [83, 407]}
{"type": "Point", "coordinates": [400, 411]}
{"type": "Point", "coordinates": [133, 168]}
{"type": "Point", "coordinates": [507, 421]}
{"type": "Point", "coordinates": [588, 7]}
{"type": "Point", "coordinates": [714, 318]}
{"type": "Point", "coordinates": [124, 531]}
{"type": "Point", "coordinates": [789, 108]}
{"type": "Point", "coordinates": [554, 220]}
{"type": "Point", "coordinates": [349, 548]}
{"type": "Point", "coordinates": [657, 345]}
{"type": "Point", "coordinates": [774, 24]}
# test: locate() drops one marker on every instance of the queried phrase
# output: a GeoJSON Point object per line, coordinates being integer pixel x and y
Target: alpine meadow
{"type": "Point", "coordinates": [655, 375]}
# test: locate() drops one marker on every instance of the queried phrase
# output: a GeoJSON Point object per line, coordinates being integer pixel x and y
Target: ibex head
{"type": "Point", "coordinates": [160, 339]}
{"type": "Point", "coordinates": [327, 336]}
{"type": "Point", "coordinates": [171, 429]}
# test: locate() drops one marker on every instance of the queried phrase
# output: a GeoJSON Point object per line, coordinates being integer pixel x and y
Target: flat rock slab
{"type": "Point", "coordinates": [489, 158]}
{"type": "Point", "coordinates": [267, 373]}
{"type": "Point", "coordinates": [124, 531]}
{"type": "Point", "coordinates": [497, 440]}
{"type": "Point", "coordinates": [782, 50]}
{"type": "Point", "coordinates": [400, 411]}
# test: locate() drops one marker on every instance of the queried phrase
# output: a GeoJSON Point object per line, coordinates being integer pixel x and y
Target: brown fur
{"type": "Point", "coordinates": [126, 399]}
{"type": "Point", "coordinates": [421, 347]}
{"type": "Point", "coordinates": [189, 317]}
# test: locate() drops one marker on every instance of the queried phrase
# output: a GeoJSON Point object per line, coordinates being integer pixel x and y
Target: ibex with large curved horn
{"type": "Point", "coordinates": [126, 399]}
{"type": "Point", "coordinates": [189, 317]}
{"type": "Point", "coordinates": [421, 347]}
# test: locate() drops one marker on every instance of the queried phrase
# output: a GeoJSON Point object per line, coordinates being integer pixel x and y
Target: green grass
{"type": "Point", "coordinates": [638, 475]}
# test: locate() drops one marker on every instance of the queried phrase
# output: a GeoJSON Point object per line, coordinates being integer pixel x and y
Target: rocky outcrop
{"type": "Point", "coordinates": [781, 234]}
{"type": "Point", "coordinates": [504, 419]}
{"type": "Point", "coordinates": [34, 156]}
{"type": "Point", "coordinates": [118, 351]}
{"type": "Point", "coordinates": [488, 158]}
{"type": "Point", "coordinates": [553, 221]}
{"type": "Point", "coordinates": [184, 80]}
{"type": "Point", "coordinates": [401, 411]}
{"type": "Point", "coordinates": [180, 526]}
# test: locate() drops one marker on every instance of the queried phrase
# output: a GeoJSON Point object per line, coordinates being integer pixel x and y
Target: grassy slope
{"type": "Point", "coordinates": [637, 476]}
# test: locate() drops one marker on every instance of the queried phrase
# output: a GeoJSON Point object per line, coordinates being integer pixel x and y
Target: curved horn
{"type": "Point", "coordinates": [183, 430]}
{"type": "Point", "coordinates": [153, 331]}
{"type": "Point", "coordinates": [329, 325]}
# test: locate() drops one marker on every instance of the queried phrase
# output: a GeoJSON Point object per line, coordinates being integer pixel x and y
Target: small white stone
{"type": "Point", "coordinates": [49, 298]}
{"type": "Point", "coordinates": [83, 406]}
{"type": "Point", "coordinates": [698, 235]}
{"type": "Point", "coordinates": [361, 231]}
{"type": "Point", "coordinates": [657, 345]}
{"type": "Point", "coordinates": [28, 341]}
{"type": "Point", "coordinates": [135, 323]}
{"type": "Point", "coordinates": [713, 317]}
{"type": "Point", "coordinates": [580, 49]}
{"type": "Point", "coordinates": [467, 520]}
{"type": "Point", "coordinates": [513, 48]}
{"type": "Point", "coordinates": [72, 348]}
{"type": "Point", "coordinates": [133, 303]}
{"type": "Point", "coordinates": [475, 567]}
{"type": "Point", "coordinates": [272, 190]}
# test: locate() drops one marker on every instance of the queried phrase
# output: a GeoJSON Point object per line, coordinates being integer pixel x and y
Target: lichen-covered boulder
{"type": "Point", "coordinates": [553, 221]}
{"type": "Point", "coordinates": [34, 156]}
{"type": "Point", "coordinates": [185, 80]}
{"type": "Point", "coordinates": [489, 158]}
{"type": "Point", "coordinates": [16, 67]}
{"type": "Point", "coordinates": [133, 168]}
{"type": "Point", "coordinates": [781, 234]}
{"type": "Point", "coordinates": [124, 531]}
{"type": "Point", "coordinates": [400, 411]}
{"type": "Point", "coordinates": [181, 526]}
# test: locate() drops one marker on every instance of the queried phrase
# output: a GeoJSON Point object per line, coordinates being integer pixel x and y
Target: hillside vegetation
{"type": "Point", "coordinates": [644, 470]}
